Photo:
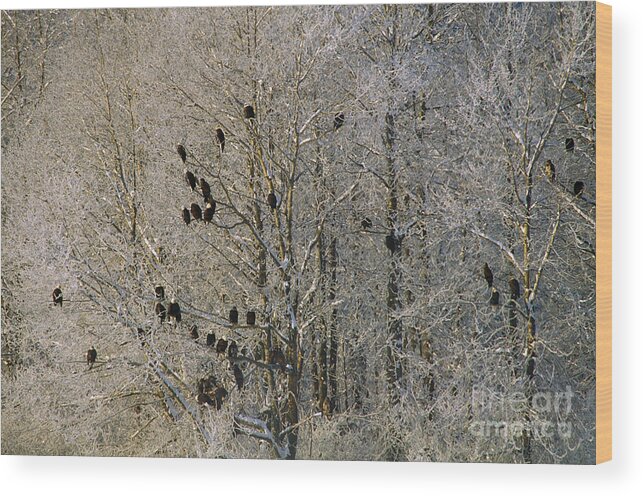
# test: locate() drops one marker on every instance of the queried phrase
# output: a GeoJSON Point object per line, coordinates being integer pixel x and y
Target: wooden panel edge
{"type": "Point", "coordinates": [603, 232]}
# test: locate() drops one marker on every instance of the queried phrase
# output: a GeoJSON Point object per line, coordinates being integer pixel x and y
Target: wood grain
{"type": "Point", "coordinates": [604, 233]}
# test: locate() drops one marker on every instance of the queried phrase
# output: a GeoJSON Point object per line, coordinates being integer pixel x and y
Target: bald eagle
{"type": "Point", "coordinates": [338, 121]}
{"type": "Point", "coordinates": [205, 188]}
{"type": "Point", "coordinates": [272, 200]}
{"type": "Point", "coordinates": [57, 296]}
{"type": "Point", "coordinates": [495, 298]}
{"type": "Point", "coordinates": [393, 242]}
{"type": "Point", "coordinates": [569, 144]}
{"type": "Point", "coordinates": [579, 187]}
{"type": "Point", "coordinates": [186, 216]}
{"type": "Point", "coordinates": [204, 399]}
{"type": "Point", "coordinates": [222, 345]}
{"type": "Point", "coordinates": [196, 211]}
{"type": "Point", "coordinates": [234, 315]}
{"type": "Point", "coordinates": [159, 291]}
{"type": "Point", "coordinates": [174, 311]}
{"type": "Point", "coordinates": [488, 275]}
{"type": "Point", "coordinates": [161, 312]}
{"type": "Point", "coordinates": [514, 286]}
{"type": "Point", "coordinates": [248, 112]}
{"type": "Point", "coordinates": [251, 317]}
{"type": "Point", "coordinates": [238, 376]}
{"type": "Point", "coordinates": [208, 213]}
{"type": "Point", "coordinates": [190, 178]}
{"type": "Point", "coordinates": [91, 356]}
{"type": "Point", "coordinates": [182, 153]}
{"type": "Point", "coordinates": [194, 332]}
{"type": "Point", "coordinates": [219, 395]}
{"type": "Point", "coordinates": [210, 339]}
{"type": "Point", "coordinates": [220, 138]}
{"type": "Point", "coordinates": [550, 171]}
{"type": "Point", "coordinates": [367, 223]}
{"type": "Point", "coordinates": [233, 350]}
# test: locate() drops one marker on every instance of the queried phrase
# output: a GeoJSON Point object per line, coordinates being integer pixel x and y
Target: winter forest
{"type": "Point", "coordinates": [321, 232]}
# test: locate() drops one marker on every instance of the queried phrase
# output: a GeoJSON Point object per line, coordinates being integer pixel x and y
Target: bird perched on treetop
{"type": "Point", "coordinates": [248, 112]}
{"type": "Point", "coordinates": [91, 355]}
{"type": "Point", "coordinates": [190, 178]}
{"type": "Point", "coordinates": [234, 315]}
{"type": "Point", "coordinates": [579, 187]}
{"type": "Point", "coordinates": [182, 153]}
{"type": "Point", "coordinates": [488, 275]}
{"type": "Point", "coordinates": [57, 296]}
{"type": "Point", "coordinates": [220, 136]}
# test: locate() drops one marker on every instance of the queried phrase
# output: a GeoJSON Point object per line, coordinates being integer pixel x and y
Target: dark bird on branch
{"type": "Point", "coordinates": [367, 223]}
{"type": "Point", "coordinates": [238, 376]}
{"type": "Point", "coordinates": [251, 317]}
{"type": "Point", "coordinates": [495, 298]}
{"type": "Point", "coordinates": [393, 242]}
{"type": "Point", "coordinates": [248, 112]}
{"type": "Point", "coordinates": [220, 394]}
{"type": "Point", "coordinates": [234, 315]}
{"type": "Point", "coordinates": [196, 211]}
{"type": "Point", "coordinates": [579, 187]}
{"type": "Point", "coordinates": [174, 311]}
{"type": "Point", "coordinates": [222, 345]}
{"type": "Point", "coordinates": [550, 171]}
{"type": "Point", "coordinates": [514, 286]}
{"type": "Point", "coordinates": [205, 189]}
{"type": "Point", "coordinates": [220, 138]}
{"type": "Point", "coordinates": [186, 216]}
{"type": "Point", "coordinates": [190, 178]}
{"type": "Point", "coordinates": [338, 121]}
{"type": "Point", "coordinates": [194, 332]}
{"type": "Point", "coordinates": [57, 296]}
{"type": "Point", "coordinates": [233, 350]}
{"type": "Point", "coordinates": [204, 399]}
{"type": "Point", "coordinates": [159, 291]}
{"type": "Point", "coordinates": [92, 355]}
{"type": "Point", "coordinates": [272, 200]}
{"type": "Point", "coordinates": [161, 312]}
{"type": "Point", "coordinates": [210, 339]}
{"type": "Point", "coordinates": [208, 213]}
{"type": "Point", "coordinates": [488, 275]}
{"type": "Point", "coordinates": [180, 149]}
{"type": "Point", "coordinates": [569, 144]}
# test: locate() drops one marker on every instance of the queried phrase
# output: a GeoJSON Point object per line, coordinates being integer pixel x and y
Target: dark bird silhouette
{"type": "Point", "coordinates": [208, 213]}
{"type": "Point", "coordinates": [174, 311]}
{"type": "Point", "coordinates": [579, 187]}
{"type": "Point", "coordinates": [514, 286]}
{"type": "Point", "coordinates": [569, 144]}
{"type": "Point", "coordinates": [159, 291]}
{"type": "Point", "coordinates": [205, 399]}
{"type": "Point", "coordinates": [248, 112]}
{"type": "Point", "coordinates": [57, 296]}
{"type": "Point", "coordinates": [220, 394]}
{"type": "Point", "coordinates": [488, 275]}
{"type": "Point", "coordinates": [495, 298]}
{"type": "Point", "coordinates": [550, 171]}
{"type": "Point", "coordinates": [393, 242]}
{"type": "Point", "coordinates": [234, 315]}
{"type": "Point", "coordinates": [220, 138]}
{"type": "Point", "coordinates": [338, 121]}
{"type": "Point", "coordinates": [205, 188]}
{"type": "Point", "coordinates": [182, 153]}
{"type": "Point", "coordinates": [92, 355]}
{"type": "Point", "coordinates": [251, 317]}
{"type": "Point", "coordinates": [190, 178]}
{"type": "Point", "coordinates": [186, 216]}
{"type": "Point", "coordinates": [238, 376]}
{"type": "Point", "coordinates": [210, 339]}
{"type": "Point", "coordinates": [233, 350]}
{"type": "Point", "coordinates": [196, 211]}
{"type": "Point", "coordinates": [327, 408]}
{"type": "Point", "coordinates": [272, 200]}
{"type": "Point", "coordinates": [161, 312]}
{"type": "Point", "coordinates": [222, 345]}
{"type": "Point", "coordinates": [194, 332]}
{"type": "Point", "coordinates": [277, 357]}
{"type": "Point", "coordinates": [367, 223]}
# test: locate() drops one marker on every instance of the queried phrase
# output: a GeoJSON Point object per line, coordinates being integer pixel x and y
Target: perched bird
{"type": "Point", "coordinates": [550, 171]}
{"type": "Point", "coordinates": [220, 138]}
{"type": "Point", "coordinates": [208, 213]}
{"type": "Point", "coordinates": [327, 409]}
{"type": "Point", "coordinates": [338, 121]}
{"type": "Point", "coordinates": [210, 339]}
{"type": "Point", "coordinates": [205, 188]}
{"type": "Point", "coordinates": [161, 312]}
{"type": "Point", "coordinates": [194, 332]}
{"type": "Point", "coordinates": [579, 187]}
{"type": "Point", "coordinates": [182, 153]}
{"type": "Point", "coordinates": [220, 394]}
{"type": "Point", "coordinates": [495, 298]}
{"type": "Point", "coordinates": [393, 242]}
{"type": "Point", "coordinates": [367, 223]}
{"type": "Point", "coordinates": [57, 296]}
{"type": "Point", "coordinates": [488, 275]}
{"type": "Point", "coordinates": [272, 200]}
{"type": "Point", "coordinates": [233, 350]}
{"type": "Point", "coordinates": [238, 376]}
{"type": "Point", "coordinates": [174, 311]}
{"type": "Point", "coordinates": [514, 286]}
{"type": "Point", "coordinates": [251, 317]}
{"type": "Point", "coordinates": [190, 178]}
{"type": "Point", "coordinates": [159, 291]}
{"type": "Point", "coordinates": [186, 216]}
{"type": "Point", "coordinates": [234, 315]}
{"type": "Point", "coordinates": [222, 345]}
{"type": "Point", "coordinates": [91, 356]}
{"type": "Point", "coordinates": [569, 144]}
{"type": "Point", "coordinates": [248, 112]}
{"type": "Point", "coordinates": [205, 399]}
{"type": "Point", "coordinates": [196, 211]}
